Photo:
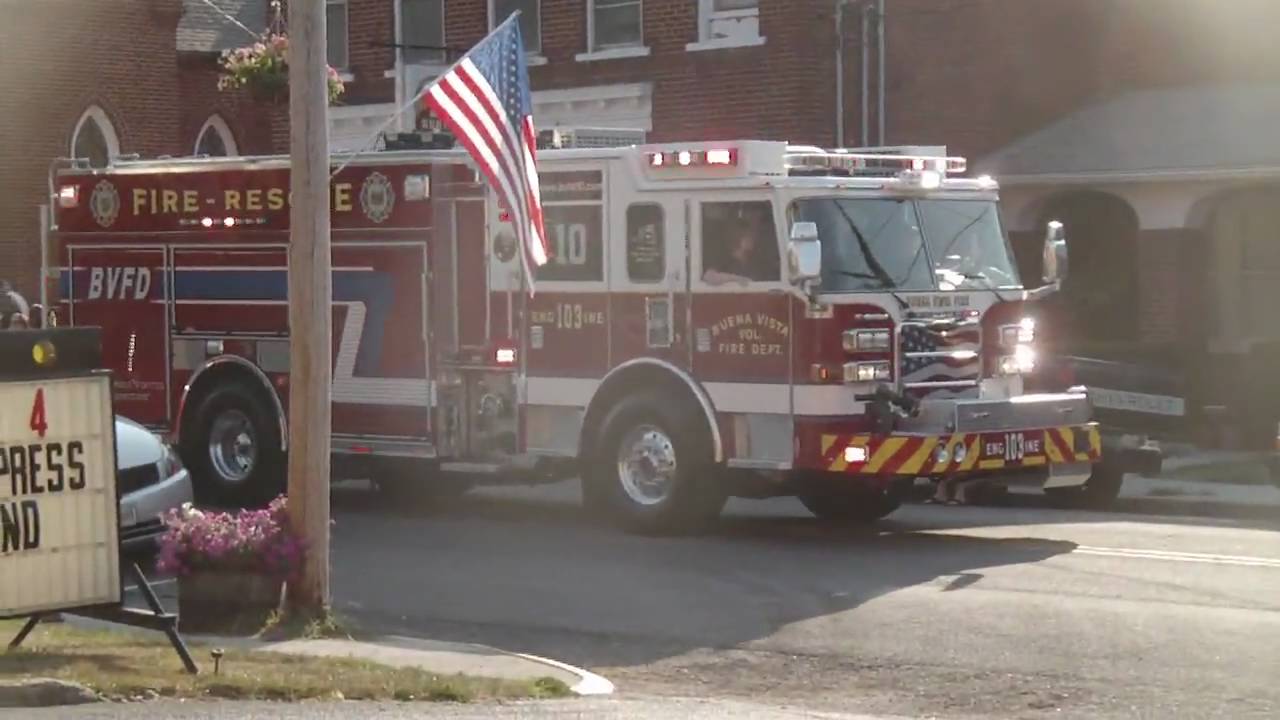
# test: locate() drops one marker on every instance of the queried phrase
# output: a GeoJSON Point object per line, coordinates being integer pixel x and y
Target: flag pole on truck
{"type": "Point", "coordinates": [484, 100]}
{"type": "Point", "coordinates": [310, 294]}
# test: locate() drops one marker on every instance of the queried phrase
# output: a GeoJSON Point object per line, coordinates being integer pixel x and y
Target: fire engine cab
{"type": "Point", "coordinates": [745, 318]}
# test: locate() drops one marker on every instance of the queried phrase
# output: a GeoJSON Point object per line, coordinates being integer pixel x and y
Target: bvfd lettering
{"type": "Point", "coordinates": [119, 283]}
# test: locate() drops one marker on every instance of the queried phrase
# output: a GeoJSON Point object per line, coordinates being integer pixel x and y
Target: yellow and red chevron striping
{"type": "Point", "coordinates": [917, 454]}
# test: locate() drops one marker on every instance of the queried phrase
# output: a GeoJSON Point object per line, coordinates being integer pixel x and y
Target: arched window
{"type": "Point", "coordinates": [215, 139]}
{"type": "Point", "coordinates": [95, 138]}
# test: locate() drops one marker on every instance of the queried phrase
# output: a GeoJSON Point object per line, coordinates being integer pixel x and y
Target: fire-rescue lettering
{"type": "Point", "coordinates": [744, 334]}
{"type": "Point", "coordinates": [151, 201]}
{"type": "Point", "coordinates": [119, 283]}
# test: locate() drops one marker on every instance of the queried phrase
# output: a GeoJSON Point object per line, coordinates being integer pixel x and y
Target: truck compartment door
{"type": "Point", "coordinates": [125, 291]}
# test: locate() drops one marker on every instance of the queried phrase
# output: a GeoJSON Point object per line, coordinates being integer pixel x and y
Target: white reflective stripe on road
{"type": "Point", "coordinates": [1188, 557]}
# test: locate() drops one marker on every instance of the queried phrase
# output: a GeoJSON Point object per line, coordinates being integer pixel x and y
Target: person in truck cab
{"type": "Point", "coordinates": [734, 255]}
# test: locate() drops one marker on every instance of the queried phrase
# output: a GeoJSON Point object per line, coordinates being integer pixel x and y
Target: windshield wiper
{"type": "Point", "coordinates": [880, 274]}
{"type": "Point", "coordinates": [986, 282]}
{"type": "Point", "coordinates": [883, 285]}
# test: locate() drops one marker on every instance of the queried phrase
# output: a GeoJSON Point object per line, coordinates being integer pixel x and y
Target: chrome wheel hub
{"type": "Point", "coordinates": [233, 449]}
{"type": "Point", "coordinates": [647, 465]}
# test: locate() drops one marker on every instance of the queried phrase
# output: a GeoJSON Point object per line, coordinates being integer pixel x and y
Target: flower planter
{"type": "Point", "coordinates": [226, 600]}
{"type": "Point", "coordinates": [263, 69]}
{"type": "Point", "coordinates": [270, 89]}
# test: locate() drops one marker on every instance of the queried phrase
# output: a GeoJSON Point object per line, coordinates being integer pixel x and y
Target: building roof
{"type": "Point", "coordinates": [1180, 131]}
{"type": "Point", "coordinates": [204, 29]}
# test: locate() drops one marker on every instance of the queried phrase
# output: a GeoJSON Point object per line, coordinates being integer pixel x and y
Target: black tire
{"type": "Point", "coordinates": [696, 494]}
{"type": "Point", "coordinates": [1098, 493]}
{"type": "Point", "coordinates": [263, 474]}
{"type": "Point", "coordinates": [850, 507]}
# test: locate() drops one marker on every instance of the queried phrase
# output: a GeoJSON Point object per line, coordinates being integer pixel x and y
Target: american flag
{"type": "Point", "coordinates": [961, 362]}
{"type": "Point", "coordinates": [484, 100]}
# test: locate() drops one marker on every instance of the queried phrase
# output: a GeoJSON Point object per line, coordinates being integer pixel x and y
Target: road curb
{"type": "Point", "coordinates": [44, 692]}
{"type": "Point", "coordinates": [589, 683]}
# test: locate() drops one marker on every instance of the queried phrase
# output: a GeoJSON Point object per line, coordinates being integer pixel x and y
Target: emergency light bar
{"type": "Point", "coordinates": [824, 162]}
{"type": "Point", "coordinates": [69, 196]}
{"type": "Point", "coordinates": [711, 157]}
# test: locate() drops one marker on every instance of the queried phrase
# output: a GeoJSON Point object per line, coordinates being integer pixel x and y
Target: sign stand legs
{"type": "Point", "coordinates": [25, 631]}
{"type": "Point", "coordinates": [157, 619]}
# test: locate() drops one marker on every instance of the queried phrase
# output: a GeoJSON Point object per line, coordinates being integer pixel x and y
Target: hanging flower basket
{"type": "Point", "coordinates": [263, 69]}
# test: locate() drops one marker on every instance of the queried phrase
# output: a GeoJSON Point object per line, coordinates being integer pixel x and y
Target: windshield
{"type": "Point", "coordinates": [873, 244]}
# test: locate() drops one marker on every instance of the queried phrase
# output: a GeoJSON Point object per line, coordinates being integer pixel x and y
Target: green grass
{"type": "Point", "coordinates": [120, 665]}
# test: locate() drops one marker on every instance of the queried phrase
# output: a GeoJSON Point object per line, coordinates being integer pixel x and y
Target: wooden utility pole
{"type": "Point", "coordinates": [310, 314]}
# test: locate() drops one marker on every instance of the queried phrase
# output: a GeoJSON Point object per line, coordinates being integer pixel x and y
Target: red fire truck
{"type": "Point", "coordinates": [743, 318]}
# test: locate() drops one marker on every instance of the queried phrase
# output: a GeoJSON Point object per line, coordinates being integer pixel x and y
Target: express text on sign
{"type": "Point", "coordinates": [33, 469]}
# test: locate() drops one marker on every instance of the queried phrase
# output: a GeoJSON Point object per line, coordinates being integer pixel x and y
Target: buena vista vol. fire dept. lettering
{"type": "Point", "coordinates": [745, 334]}
{"type": "Point", "coordinates": [153, 201]}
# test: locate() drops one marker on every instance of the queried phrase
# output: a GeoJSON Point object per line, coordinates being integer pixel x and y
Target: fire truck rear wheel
{"type": "Point", "coordinates": [652, 471]}
{"type": "Point", "coordinates": [233, 448]}
{"type": "Point", "coordinates": [850, 507]}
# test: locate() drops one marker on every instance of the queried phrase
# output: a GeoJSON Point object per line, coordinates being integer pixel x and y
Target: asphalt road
{"type": "Point", "coordinates": [954, 612]}
{"type": "Point", "coordinates": [1013, 612]}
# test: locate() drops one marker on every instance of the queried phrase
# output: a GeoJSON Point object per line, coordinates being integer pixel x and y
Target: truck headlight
{"type": "Point", "coordinates": [1024, 332]}
{"type": "Point", "coordinates": [862, 372]}
{"type": "Point", "coordinates": [1022, 361]}
{"type": "Point", "coordinates": [866, 340]}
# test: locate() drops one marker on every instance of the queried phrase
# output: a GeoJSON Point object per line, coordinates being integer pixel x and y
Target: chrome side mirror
{"type": "Point", "coordinates": [1055, 253]}
{"type": "Point", "coordinates": [804, 253]}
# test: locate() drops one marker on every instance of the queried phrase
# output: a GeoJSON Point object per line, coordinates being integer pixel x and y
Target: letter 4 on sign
{"type": "Point", "coordinates": [58, 497]}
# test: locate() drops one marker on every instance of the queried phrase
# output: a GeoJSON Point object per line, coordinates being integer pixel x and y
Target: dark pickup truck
{"type": "Point", "coordinates": [1135, 405]}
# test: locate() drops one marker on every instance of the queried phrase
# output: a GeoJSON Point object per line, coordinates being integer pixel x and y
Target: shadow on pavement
{"type": "Point", "coordinates": [539, 577]}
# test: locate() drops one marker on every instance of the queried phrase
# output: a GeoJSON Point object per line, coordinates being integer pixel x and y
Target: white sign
{"type": "Point", "coordinates": [59, 530]}
{"type": "Point", "coordinates": [1137, 402]}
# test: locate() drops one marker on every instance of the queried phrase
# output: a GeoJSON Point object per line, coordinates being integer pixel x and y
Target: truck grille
{"type": "Point", "coordinates": [940, 358]}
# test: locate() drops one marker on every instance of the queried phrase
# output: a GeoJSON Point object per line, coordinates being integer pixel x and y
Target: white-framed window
{"type": "Point", "coordinates": [94, 138]}
{"type": "Point", "coordinates": [615, 24]}
{"type": "Point", "coordinates": [215, 139]}
{"type": "Point", "coordinates": [337, 37]}
{"type": "Point", "coordinates": [422, 32]}
{"type": "Point", "coordinates": [727, 23]}
{"type": "Point", "coordinates": [530, 20]}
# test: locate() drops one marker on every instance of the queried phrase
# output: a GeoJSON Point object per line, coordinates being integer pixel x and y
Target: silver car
{"type": "Point", "coordinates": [152, 481]}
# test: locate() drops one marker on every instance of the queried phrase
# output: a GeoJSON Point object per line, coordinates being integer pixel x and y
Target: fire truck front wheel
{"type": "Point", "coordinates": [233, 448]}
{"type": "Point", "coordinates": [652, 470]}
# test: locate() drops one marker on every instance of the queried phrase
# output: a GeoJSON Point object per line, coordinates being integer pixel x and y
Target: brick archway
{"type": "Point", "coordinates": [1098, 310]}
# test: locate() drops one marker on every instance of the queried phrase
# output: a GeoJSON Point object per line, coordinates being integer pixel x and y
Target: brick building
{"type": "Point", "coordinates": [1143, 125]}
{"type": "Point", "coordinates": [61, 95]}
